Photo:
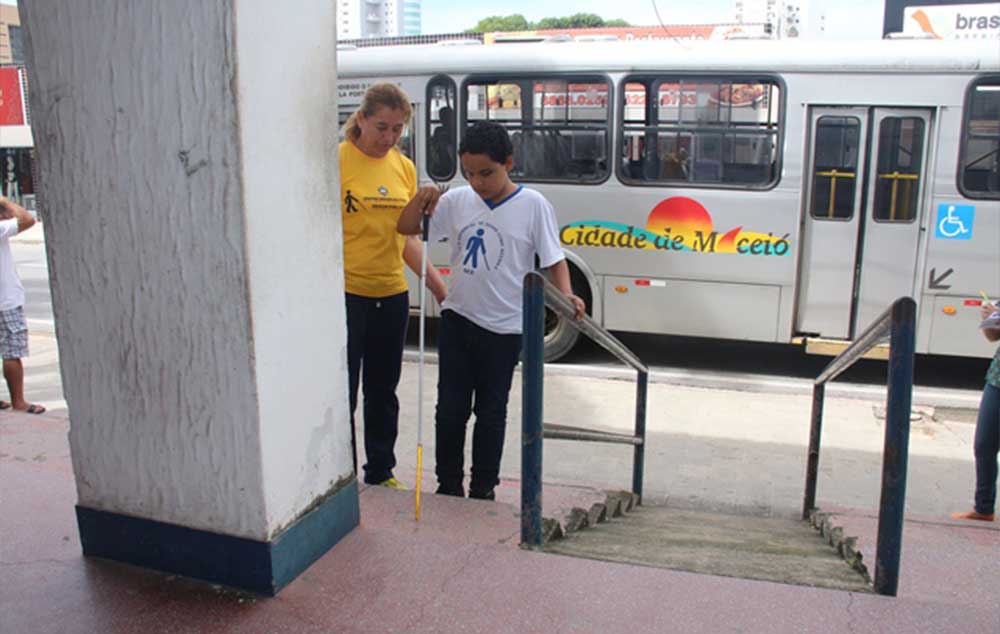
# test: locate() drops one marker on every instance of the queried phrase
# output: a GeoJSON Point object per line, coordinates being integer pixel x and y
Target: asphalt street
{"type": "Point", "coordinates": [948, 382]}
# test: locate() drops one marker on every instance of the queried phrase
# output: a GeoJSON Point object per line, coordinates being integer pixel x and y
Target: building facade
{"type": "Point", "coordinates": [11, 38]}
{"type": "Point", "coordinates": [786, 20]}
{"type": "Point", "coordinates": [363, 19]}
{"type": "Point", "coordinates": [411, 17]}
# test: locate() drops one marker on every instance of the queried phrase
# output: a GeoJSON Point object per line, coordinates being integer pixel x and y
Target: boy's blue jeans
{"type": "Point", "coordinates": [475, 368]}
{"type": "Point", "coordinates": [986, 446]}
{"type": "Point", "coordinates": [376, 333]}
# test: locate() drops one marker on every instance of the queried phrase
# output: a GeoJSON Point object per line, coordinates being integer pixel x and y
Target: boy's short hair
{"type": "Point", "coordinates": [486, 137]}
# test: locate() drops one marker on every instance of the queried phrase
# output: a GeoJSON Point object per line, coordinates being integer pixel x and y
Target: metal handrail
{"type": "Point", "coordinates": [567, 432]}
{"type": "Point", "coordinates": [555, 300]}
{"type": "Point", "coordinates": [898, 321]}
{"type": "Point", "coordinates": [539, 292]}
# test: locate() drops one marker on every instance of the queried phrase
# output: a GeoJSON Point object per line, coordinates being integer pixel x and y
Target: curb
{"type": "Point", "coordinates": [616, 504]}
{"type": "Point", "coordinates": [846, 547]}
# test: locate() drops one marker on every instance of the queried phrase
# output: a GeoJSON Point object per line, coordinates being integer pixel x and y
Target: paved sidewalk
{"type": "Point", "coordinates": [459, 570]}
{"type": "Point", "coordinates": [724, 450]}
{"type": "Point", "coordinates": [42, 378]}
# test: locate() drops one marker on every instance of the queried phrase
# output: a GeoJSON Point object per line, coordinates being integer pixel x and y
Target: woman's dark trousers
{"type": "Point", "coordinates": [376, 333]}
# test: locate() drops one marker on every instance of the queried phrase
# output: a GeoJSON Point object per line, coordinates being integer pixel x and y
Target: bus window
{"type": "Point", "coordinates": [979, 171]}
{"type": "Point", "coordinates": [559, 126]}
{"type": "Point", "coordinates": [343, 114]}
{"type": "Point", "coordinates": [710, 131]}
{"type": "Point", "coordinates": [406, 143]}
{"type": "Point", "coordinates": [900, 154]}
{"type": "Point", "coordinates": [835, 167]}
{"type": "Point", "coordinates": [503, 102]}
{"type": "Point", "coordinates": [442, 146]}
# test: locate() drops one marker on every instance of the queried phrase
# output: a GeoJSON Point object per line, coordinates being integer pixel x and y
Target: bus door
{"type": "Point", "coordinates": [862, 229]}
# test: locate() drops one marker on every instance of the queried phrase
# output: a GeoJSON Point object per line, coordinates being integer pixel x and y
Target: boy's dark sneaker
{"type": "Point", "coordinates": [451, 489]}
{"type": "Point", "coordinates": [482, 495]}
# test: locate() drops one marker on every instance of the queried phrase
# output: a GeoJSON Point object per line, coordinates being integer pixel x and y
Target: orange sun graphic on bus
{"type": "Point", "coordinates": [681, 215]}
{"type": "Point", "coordinates": [686, 217]}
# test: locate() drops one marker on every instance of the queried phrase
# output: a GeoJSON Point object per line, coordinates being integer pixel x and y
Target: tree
{"type": "Point", "coordinates": [517, 22]}
{"type": "Point", "coordinates": [585, 21]}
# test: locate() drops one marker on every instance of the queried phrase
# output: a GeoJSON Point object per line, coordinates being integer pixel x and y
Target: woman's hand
{"type": "Point", "coordinates": [422, 204]}
{"type": "Point", "coordinates": [427, 198]}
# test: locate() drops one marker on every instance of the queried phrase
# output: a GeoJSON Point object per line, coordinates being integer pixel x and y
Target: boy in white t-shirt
{"type": "Point", "coordinates": [13, 327]}
{"type": "Point", "coordinates": [495, 229]}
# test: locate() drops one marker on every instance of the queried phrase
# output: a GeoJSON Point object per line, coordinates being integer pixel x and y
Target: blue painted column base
{"type": "Point", "coordinates": [261, 567]}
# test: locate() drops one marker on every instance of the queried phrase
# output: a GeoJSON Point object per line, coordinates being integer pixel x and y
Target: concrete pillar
{"type": "Point", "coordinates": [187, 152]}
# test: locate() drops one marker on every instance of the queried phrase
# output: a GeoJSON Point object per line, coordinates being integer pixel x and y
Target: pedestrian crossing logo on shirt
{"type": "Point", "coordinates": [350, 203]}
{"type": "Point", "coordinates": [381, 199]}
{"type": "Point", "coordinates": [483, 247]}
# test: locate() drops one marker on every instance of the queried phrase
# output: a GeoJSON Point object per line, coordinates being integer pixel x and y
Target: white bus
{"type": "Point", "coordinates": [756, 190]}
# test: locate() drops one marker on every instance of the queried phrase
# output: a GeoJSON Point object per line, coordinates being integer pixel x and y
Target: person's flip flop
{"type": "Point", "coordinates": [4, 405]}
{"type": "Point", "coordinates": [35, 409]}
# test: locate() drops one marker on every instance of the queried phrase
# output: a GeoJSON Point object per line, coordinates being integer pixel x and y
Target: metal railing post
{"type": "Point", "coordinates": [896, 449]}
{"type": "Point", "coordinates": [812, 464]}
{"type": "Point", "coordinates": [531, 410]}
{"type": "Point", "coordinates": [639, 453]}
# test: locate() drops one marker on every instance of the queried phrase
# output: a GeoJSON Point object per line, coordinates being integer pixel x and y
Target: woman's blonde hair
{"type": "Point", "coordinates": [378, 95]}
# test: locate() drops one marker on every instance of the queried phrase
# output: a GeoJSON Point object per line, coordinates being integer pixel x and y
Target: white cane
{"type": "Point", "coordinates": [420, 372]}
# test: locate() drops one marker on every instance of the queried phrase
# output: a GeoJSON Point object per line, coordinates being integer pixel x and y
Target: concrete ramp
{"type": "Point", "coordinates": [769, 549]}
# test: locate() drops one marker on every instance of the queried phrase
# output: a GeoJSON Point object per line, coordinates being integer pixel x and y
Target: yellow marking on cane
{"type": "Point", "coordinates": [986, 298]}
{"type": "Point", "coordinates": [420, 465]}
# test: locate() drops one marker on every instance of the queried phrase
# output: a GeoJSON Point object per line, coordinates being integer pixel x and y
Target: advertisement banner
{"type": "Point", "coordinates": [954, 22]}
{"type": "Point", "coordinates": [11, 97]}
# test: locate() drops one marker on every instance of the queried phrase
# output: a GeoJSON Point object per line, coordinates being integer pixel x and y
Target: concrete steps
{"type": "Point", "coordinates": [615, 504]}
{"type": "Point", "coordinates": [782, 550]}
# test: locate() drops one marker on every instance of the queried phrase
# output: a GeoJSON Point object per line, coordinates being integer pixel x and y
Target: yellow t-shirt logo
{"type": "Point", "coordinates": [350, 203]}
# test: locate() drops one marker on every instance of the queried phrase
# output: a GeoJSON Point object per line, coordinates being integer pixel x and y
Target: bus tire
{"type": "Point", "coordinates": [560, 336]}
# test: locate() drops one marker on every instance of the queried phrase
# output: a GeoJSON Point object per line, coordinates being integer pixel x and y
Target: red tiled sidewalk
{"type": "Point", "coordinates": [459, 570]}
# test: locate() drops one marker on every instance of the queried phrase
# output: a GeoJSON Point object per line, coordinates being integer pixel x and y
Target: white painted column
{"type": "Point", "coordinates": [187, 152]}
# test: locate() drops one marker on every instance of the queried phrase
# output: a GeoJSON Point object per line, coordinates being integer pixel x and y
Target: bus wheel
{"type": "Point", "coordinates": [560, 336]}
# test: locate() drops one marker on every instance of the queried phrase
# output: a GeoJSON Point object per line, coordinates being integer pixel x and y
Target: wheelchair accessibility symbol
{"type": "Point", "coordinates": [954, 222]}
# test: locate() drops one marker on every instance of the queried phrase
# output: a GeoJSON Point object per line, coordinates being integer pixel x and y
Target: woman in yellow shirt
{"type": "Point", "coordinates": [376, 184]}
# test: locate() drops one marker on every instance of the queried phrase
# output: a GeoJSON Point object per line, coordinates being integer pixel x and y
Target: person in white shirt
{"type": "Point", "coordinates": [496, 229]}
{"type": "Point", "coordinates": [13, 327]}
